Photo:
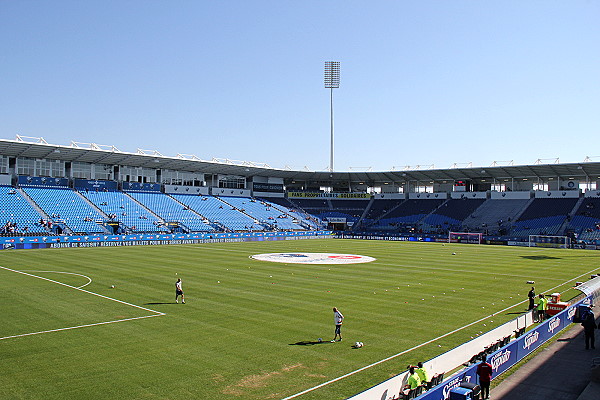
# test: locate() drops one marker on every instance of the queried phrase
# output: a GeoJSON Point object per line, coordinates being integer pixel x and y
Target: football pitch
{"type": "Point", "coordinates": [249, 328]}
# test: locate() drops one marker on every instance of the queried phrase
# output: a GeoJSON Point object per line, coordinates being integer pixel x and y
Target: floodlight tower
{"type": "Point", "coordinates": [332, 81]}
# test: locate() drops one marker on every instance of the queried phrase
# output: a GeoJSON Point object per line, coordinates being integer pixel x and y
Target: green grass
{"type": "Point", "coordinates": [237, 338]}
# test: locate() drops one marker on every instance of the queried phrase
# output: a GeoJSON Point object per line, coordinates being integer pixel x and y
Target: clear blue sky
{"type": "Point", "coordinates": [422, 82]}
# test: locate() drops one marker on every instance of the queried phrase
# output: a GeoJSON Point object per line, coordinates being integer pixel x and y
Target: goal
{"type": "Point", "coordinates": [560, 242]}
{"type": "Point", "coordinates": [465, 237]}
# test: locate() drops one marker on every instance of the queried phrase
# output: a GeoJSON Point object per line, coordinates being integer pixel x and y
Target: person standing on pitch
{"type": "Point", "coordinates": [179, 291]}
{"type": "Point", "coordinates": [338, 318]}
{"type": "Point", "coordinates": [531, 296]}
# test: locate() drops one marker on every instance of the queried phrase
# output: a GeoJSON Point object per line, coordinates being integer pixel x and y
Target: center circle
{"type": "Point", "coordinates": [313, 258]}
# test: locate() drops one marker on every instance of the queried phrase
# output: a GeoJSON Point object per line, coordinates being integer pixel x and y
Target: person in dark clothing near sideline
{"type": "Point", "coordinates": [484, 371]}
{"type": "Point", "coordinates": [589, 329]}
{"type": "Point", "coordinates": [531, 296]}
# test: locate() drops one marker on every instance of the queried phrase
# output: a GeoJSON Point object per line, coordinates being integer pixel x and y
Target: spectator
{"type": "Point", "coordinates": [423, 375]}
{"type": "Point", "coordinates": [484, 371]}
{"type": "Point", "coordinates": [541, 308]}
{"type": "Point", "coordinates": [589, 329]}
{"type": "Point", "coordinates": [413, 382]}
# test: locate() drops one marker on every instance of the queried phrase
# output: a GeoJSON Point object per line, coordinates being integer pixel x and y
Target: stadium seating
{"type": "Point", "coordinates": [493, 215]}
{"type": "Point", "coordinates": [264, 212]}
{"type": "Point", "coordinates": [543, 217]}
{"type": "Point", "coordinates": [410, 212]}
{"type": "Point", "coordinates": [379, 208]}
{"type": "Point", "coordinates": [17, 210]}
{"type": "Point", "coordinates": [586, 221]}
{"type": "Point", "coordinates": [219, 212]}
{"type": "Point", "coordinates": [284, 205]}
{"type": "Point", "coordinates": [118, 206]}
{"type": "Point", "coordinates": [68, 207]}
{"type": "Point", "coordinates": [170, 209]}
{"type": "Point", "coordinates": [450, 215]}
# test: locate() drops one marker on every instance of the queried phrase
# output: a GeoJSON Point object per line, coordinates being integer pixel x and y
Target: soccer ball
{"type": "Point", "coordinates": [453, 254]}
{"type": "Point", "coordinates": [358, 344]}
{"type": "Point", "coordinates": [112, 286]}
{"type": "Point", "coordinates": [320, 340]}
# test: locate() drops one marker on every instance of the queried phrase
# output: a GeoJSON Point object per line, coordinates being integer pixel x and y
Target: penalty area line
{"type": "Point", "coordinates": [79, 326]}
{"type": "Point", "coordinates": [62, 272]}
{"type": "Point", "coordinates": [83, 290]}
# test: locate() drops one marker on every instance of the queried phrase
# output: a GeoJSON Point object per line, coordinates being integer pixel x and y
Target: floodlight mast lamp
{"type": "Point", "coordinates": [332, 81]}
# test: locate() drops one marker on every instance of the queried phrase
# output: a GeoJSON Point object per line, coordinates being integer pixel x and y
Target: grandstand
{"type": "Point", "coordinates": [120, 207]}
{"type": "Point", "coordinates": [18, 213]}
{"type": "Point", "coordinates": [95, 191]}
{"type": "Point", "coordinates": [66, 206]}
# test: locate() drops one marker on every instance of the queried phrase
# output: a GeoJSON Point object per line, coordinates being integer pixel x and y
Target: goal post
{"type": "Point", "coordinates": [559, 242]}
{"type": "Point", "coordinates": [465, 237]}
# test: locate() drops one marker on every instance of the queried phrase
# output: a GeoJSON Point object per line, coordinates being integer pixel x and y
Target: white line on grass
{"type": "Point", "coordinates": [83, 290]}
{"type": "Point", "coordinates": [61, 272]}
{"type": "Point", "coordinates": [156, 313]}
{"type": "Point", "coordinates": [80, 326]}
{"type": "Point", "coordinates": [422, 344]}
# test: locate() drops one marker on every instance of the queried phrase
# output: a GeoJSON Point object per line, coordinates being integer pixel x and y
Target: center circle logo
{"type": "Point", "coordinates": [313, 258]}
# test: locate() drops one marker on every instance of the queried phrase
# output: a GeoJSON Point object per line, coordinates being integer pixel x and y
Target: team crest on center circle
{"type": "Point", "coordinates": [313, 258]}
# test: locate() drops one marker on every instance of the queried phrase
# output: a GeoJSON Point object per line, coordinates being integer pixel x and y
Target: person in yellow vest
{"type": "Point", "coordinates": [423, 375]}
{"type": "Point", "coordinates": [541, 308]}
{"type": "Point", "coordinates": [413, 382]}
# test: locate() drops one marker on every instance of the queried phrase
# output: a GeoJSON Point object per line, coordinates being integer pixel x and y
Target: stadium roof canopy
{"type": "Point", "coordinates": [38, 148]}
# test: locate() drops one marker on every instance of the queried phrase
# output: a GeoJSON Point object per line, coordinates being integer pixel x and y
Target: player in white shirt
{"type": "Point", "coordinates": [338, 319]}
{"type": "Point", "coordinates": [179, 291]}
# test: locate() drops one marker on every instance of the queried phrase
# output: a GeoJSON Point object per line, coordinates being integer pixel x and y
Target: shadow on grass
{"type": "Point", "coordinates": [309, 343]}
{"type": "Point", "coordinates": [541, 258]}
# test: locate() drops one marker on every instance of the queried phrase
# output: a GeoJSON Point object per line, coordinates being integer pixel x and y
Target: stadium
{"type": "Point", "coordinates": [94, 239]}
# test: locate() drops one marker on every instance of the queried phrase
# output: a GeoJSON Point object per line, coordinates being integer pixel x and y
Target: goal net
{"type": "Point", "coordinates": [560, 242]}
{"type": "Point", "coordinates": [465, 237]}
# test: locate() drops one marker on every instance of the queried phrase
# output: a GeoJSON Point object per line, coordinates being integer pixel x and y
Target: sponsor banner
{"type": "Point", "coordinates": [42, 181]}
{"type": "Point", "coordinates": [312, 195]}
{"type": "Point", "coordinates": [267, 187]}
{"type": "Point", "coordinates": [145, 187]}
{"type": "Point", "coordinates": [399, 196]}
{"type": "Point", "coordinates": [468, 195]}
{"type": "Point", "coordinates": [5, 180]}
{"type": "Point", "coordinates": [268, 195]}
{"type": "Point", "coordinates": [592, 193]}
{"type": "Point", "coordinates": [143, 239]}
{"type": "Point", "coordinates": [97, 185]}
{"type": "Point", "coordinates": [514, 243]}
{"type": "Point", "coordinates": [511, 195]}
{"type": "Point", "coordinates": [442, 391]}
{"type": "Point", "coordinates": [428, 196]}
{"type": "Point", "coordinates": [504, 358]}
{"type": "Point", "coordinates": [559, 194]}
{"type": "Point", "coordinates": [335, 220]}
{"type": "Point", "coordinates": [180, 189]}
{"type": "Point", "coordinates": [215, 191]}
{"type": "Point", "coordinates": [497, 242]}
{"type": "Point", "coordinates": [391, 238]}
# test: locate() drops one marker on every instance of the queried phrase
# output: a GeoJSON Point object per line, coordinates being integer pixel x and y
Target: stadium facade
{"type": "Point", "coordinates": [499, 201]}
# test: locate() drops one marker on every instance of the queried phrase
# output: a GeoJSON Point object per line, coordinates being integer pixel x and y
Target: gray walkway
{"type": "Point", "coordinates": [562, 371]}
